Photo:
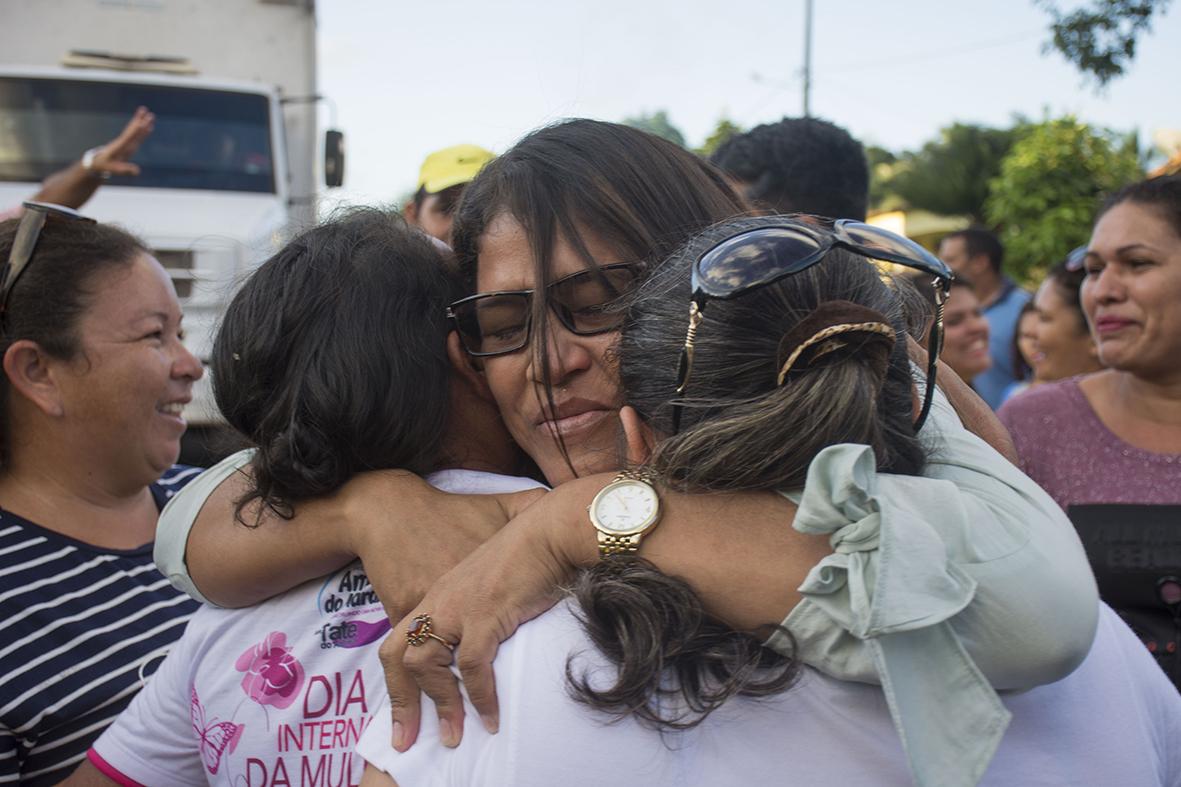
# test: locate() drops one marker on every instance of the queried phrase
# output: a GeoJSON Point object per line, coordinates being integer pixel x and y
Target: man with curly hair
{"type": "Point", "coordinates": [798, 165]}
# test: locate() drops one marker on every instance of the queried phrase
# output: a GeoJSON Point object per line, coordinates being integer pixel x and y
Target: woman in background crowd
{"type": "Point", "coordinates": [1107, 446]}
{"type": "Point", "coordinates": [95, 380]}
{"type": "Point", "coordinates": [1065, 347]}
{"type": "Point", "coordinates": [1024, 349]}
{"type": "Point", "coordinates": [965, 330]}
{"type": "Point", "coordinates": [1053, 340]}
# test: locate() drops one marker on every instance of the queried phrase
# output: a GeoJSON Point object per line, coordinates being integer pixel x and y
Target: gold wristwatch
{"type": "Point", "coordinates": [623, 512]}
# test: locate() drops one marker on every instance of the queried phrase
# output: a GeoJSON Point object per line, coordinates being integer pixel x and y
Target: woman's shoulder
{"type": "Point", "coordinates": [1043, 395]}
{"type": "Point", "coordinates": [1055, 400]}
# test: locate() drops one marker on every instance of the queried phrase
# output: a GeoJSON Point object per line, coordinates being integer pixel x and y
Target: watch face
{"type": "Point", "coordinates": [626, 507]}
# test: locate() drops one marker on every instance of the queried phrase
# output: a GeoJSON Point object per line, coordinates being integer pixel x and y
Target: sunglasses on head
{"type": "Point", "coordinates": [496, 323]}
{"type": "Point", "coordinates": [761, 256]}
{"type": "Point", "coordinates": [1077, 259]}
{"type": "Point", "coordinates": [28, 232]}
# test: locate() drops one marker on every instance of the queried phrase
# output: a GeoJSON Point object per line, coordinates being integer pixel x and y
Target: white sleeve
{"type": "Point", "coordinates": [1154, 693]}
{"type": "Point", "coordinates": [178, 516]}
{"type": "Point", "coordinates": [152, 741]}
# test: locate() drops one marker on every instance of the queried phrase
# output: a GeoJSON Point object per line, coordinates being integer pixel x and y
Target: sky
{"type": "Point", "coordinates": [407, 78]}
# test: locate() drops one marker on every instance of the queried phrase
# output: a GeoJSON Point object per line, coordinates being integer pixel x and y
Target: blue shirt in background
{"type": "Point", "coordinates": [1002, 324]}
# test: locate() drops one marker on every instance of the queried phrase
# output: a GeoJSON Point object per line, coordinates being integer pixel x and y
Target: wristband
{"type": "Point", "coordinates": [88, 163]}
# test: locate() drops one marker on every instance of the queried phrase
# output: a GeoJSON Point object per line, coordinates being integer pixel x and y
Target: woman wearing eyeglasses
{"type": "Point", "coordinates": [1107, 445]}
{"type": "Point", "coordinates": [95, 379]}
{"type": "Point", "coordinates": [548, 236]}
{"type": "Point", "coordinates": [795, 380]}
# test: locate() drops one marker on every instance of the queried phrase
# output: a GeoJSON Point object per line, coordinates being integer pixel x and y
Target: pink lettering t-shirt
{"type": "Point", "coordinates": [276, 694]}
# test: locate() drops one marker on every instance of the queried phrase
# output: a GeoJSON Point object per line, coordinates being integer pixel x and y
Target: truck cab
{"type": "Point", "coordinates": [212, 198]}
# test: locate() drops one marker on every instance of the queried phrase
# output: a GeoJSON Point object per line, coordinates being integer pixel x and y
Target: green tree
{"type": "Point", "coordinates": [1048, 189]}
{"type": "Point", "coordinates": [881, 169]}
{"type": "Point", "coordinates": [657, 123]}
{"type": "Point", "coordinates": [722, 132]}
{"type": "Point", "coordinates": [950, 174]}
{"type": "Point", "coordinates": [1099, 39]}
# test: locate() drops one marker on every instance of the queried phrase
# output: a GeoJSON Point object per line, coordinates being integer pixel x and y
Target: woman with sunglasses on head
{"type": "Point", "coordinates": [548, 236]}
{"type": "Point", "coordinates": [794, 380]}
{"type": "Point", "coordinates": [1107, 445]}
{"type": "Point", "coordinates": [95, 379]}
{"type": "Point", "coordinates": [1065, 347]}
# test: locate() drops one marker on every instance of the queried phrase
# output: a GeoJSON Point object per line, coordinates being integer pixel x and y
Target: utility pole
{"type": "Point", "coordinates": [807, 58]}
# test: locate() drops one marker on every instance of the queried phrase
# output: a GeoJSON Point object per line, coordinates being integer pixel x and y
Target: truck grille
{"type": "Point", "coordinates": [178, 264]}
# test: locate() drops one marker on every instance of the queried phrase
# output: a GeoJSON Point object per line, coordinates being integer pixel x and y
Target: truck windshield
{"type": "Point", "coordinates": [204, 139]}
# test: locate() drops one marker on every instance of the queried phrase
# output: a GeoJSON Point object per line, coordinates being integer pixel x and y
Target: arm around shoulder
{"type": "Point", "coordinates": [209, 550]}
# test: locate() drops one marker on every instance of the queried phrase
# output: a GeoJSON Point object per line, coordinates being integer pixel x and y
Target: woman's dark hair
{"type": "Point", "coordinates": [56, 289]}
{"type": "Point", "coordinates": [740, 430]}
{"type": "Point", "coordinates": [332, 359]}
{"type": "Point", "coordinates": [641, 194]}
{"type": "Point", "coordinates": [1162, 193]}
{"type": "Point", "coordinates": [1021, 368]}
{"type": "Point", "coordinates": [1069, 284]}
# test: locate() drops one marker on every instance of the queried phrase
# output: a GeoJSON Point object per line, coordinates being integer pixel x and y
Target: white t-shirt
{"type": "Point", "coordinates": [277, 693]}
{"type": "Point", "coordinates": [1114, 721]}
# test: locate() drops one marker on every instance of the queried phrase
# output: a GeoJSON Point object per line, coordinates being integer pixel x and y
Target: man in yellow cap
{"type": "Point", "coordinates": [442, 179]}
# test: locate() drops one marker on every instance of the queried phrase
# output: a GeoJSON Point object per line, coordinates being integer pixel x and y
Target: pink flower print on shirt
{"type": "Point", "coordinates": [273, 675]}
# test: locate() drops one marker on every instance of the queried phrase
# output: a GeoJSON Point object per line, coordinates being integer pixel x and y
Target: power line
{"type": "Point", "coordinates": [935, 54]}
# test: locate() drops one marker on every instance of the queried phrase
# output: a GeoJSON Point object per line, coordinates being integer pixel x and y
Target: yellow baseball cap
{"type": "Point", "coordinates": [451, 166]}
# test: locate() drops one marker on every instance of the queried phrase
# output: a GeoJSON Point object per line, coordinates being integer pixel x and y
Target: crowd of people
{"type": "Point", "coordinates": [688, 473]}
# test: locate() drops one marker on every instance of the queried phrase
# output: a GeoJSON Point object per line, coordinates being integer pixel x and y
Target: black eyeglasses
{"type": "Point", "coordinates": [764, 255]}
{"type": "Point", "coordinates": [496, 323]}
{"type": "Point", "coordinates": [28, 232]}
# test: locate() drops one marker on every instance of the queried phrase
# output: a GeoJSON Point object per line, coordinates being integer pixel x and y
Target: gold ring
{"type": "Point", "coordinates": [421, 630]}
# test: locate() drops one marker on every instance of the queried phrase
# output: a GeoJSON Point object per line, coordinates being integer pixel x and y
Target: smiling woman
{"type": "Point", "coordinates": [581, 196]}
{"type": "Point", "coordinates": [95, 378]}
{"type": "Point", "coordinates": [1107, 446]}
{"type": "Point", "coordinates": [965, 337]}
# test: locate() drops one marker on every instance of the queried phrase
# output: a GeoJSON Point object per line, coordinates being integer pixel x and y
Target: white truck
{"type": "Point", "coordinates": [232, 166]}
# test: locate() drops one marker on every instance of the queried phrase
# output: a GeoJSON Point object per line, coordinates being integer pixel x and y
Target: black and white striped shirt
{"type": "Point", "coordinates": [80, 628]}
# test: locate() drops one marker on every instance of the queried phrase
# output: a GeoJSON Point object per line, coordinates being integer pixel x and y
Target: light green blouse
{"type": "Point", "coordinates": [940, 588]}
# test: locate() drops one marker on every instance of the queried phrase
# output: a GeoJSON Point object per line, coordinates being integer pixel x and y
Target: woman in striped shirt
{"type": "Point", "coordinates": [95, 377]}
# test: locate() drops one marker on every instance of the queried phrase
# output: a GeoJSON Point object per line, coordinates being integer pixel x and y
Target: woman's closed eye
{"type": "Point", "coordinates": [503, 331]}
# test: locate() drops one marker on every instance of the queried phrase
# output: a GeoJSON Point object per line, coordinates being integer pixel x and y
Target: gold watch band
{"type": "Point", "coordinates": [637, 474]}
{"type": "Point", "coordinates": [610, 545]}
